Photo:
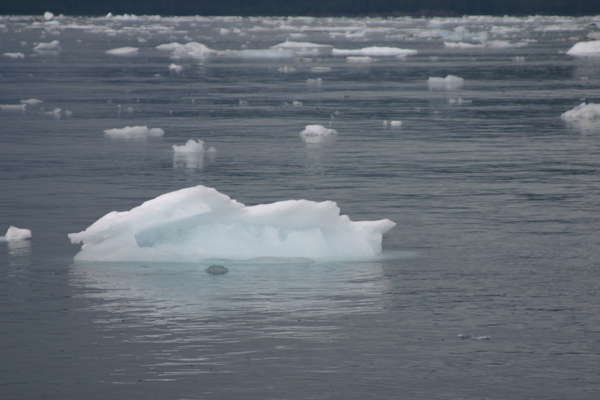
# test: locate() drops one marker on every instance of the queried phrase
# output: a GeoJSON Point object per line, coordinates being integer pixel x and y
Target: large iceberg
{"type": "Point", "coordinates": [200, 224]}
{"type": "Point", "coordinates": [591, 48]}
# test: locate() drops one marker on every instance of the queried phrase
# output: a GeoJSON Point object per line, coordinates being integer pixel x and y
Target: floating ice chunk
{"type": "Point", "coordinates": [175, 68]}
{"type": "Point", "coordinates": [13, 234]}
{"type": "Point", "coordinates": [317, 130]}
{"type": "Point", "coordinates": [123, 51]}
{"type": "Point", "coordinates": [189, 50]}
{"type": "Point", "coordinates": [320, 69]}
{"type": "Point", "coordinates": [18, 108]}
{"type": "Point", "coordinates": [32, 102]}
{"type": "Point", "coordinates": [374, 52]}
{"type": "Point", "coordinates": [305, 49]}
{"type": "Point", "coordinates": [193, 146]}
{"type": "Point", "coordinates": [450, 82]}
{"type": "Point", "coordinates": [48, 16]}
{"type": "Point", "coordinates": [52, 46]}
{"type": "Point", "coordinates": [315, 82]}
{"type": "Point", "coordinates": [199, 223]}
{"type": "Point", "coordinates": [475, 337]}
{"type": "Point", "coordinates": [463, 45]}
{"type": "Point", "coordinates": [458, 100]}
{"type": "Point", "coordinates": [133, 132]}
{"type": "Point", "coordinates": [56, 113]}
{"type": "Point", "coordinates": [584, 117]}
{"type": "Point", "coordinates": [286, 69]}
{"type": "Point", "coordinates": [360, 59]}
{"type": "Point", "coordinates": [394, 124]}
{"type": "Point", "coordinates": [591, 48]}
{"type": "Point", "coordinates": [14, 56]}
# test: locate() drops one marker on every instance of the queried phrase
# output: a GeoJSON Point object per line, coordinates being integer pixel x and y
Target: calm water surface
{"type": "Point", "coordinates": [488, 288]}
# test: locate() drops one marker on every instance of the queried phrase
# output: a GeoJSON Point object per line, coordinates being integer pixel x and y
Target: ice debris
{"type": "Point", "coordinates": [193, 146]}
{"type": "Point", "coordinates": [450, 82]}
{"type": "Point", "coordinates": [317, 130]}
{"type": "Point", "coordinates": [14, 233]}
{"type": "Point", "coordinates": [133, 132]}
{"type": "Point", "coordinates": [199, 223]}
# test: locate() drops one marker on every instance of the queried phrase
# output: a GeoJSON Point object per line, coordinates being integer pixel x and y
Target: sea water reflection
{"type": "Point", "coordinates": [180, 301]}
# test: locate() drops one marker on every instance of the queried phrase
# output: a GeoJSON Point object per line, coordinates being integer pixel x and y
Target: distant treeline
{"type": "Point", "coordinates": [302, 7]}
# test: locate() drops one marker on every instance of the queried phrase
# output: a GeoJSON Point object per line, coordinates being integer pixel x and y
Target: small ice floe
{"type": "Point", "coordinates": [189, 50]}
{"type": "Point", "coordinates": [14, 56]}
{"type": "Point", "coordinates": [13, 234]}
{"type": "Point", "coordinates": [393, 124]}
{"type": "Point", "coordinates": [360, 59]}
{"type": "Point", "coordinates": [459, 100]}
{"type": "Point", "coordinates": [193, 146]}
{"type": "Point", "coordinates": [13, 108]}
{"type": "Point", "coordinates": [375, 52]}
{"type": "Point", "coordinates": [475, 337]}
{"type": "Point", "coordinates": [32, 102]}
{"type": "Point", "coordinates": [286, 69]}
{"type": "Point", "coordinates": [217, 270]}
{"type": "Point", "coordinates": [56, 113]}
{"type": "Point", "coordinates": [319, 70]}
{"type": "Point", "coordinates": [519, 59]}
{"type": "Point", "coordinates": [53, 46]}
{"type": "Point", "coordinates": [450, 82]}
{"type": "Point", "coordinates": [315, 82]}
{"type": "Point", "coordinates": [584, 117]}
{"type": "Point", "coordinates": [48, 16]}
{"type": "Point", "coordinates": [591, 48]}
{"type": "Point", "coordinates": [133, 132]}
{"type": "Point", "coordinates": [304, 49]}
{"type": "Point", "coordinates": [123, 51]}
{"type": "Point", "coordinates": [317, 130]}
{"type": "Point", "coordinates": [175, 68]}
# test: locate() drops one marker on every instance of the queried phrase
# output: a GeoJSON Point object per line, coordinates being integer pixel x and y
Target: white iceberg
{"type": "Point", "coordinates": [14, 233]}
{"type": "Point", "coordinates": [52, 46]}
{"type": "Point", "coordinates": [193, 146]}
{"type": "Point", "coordinates": [317, 130]}
{"type": "Point", "coordinates": [450, 82]}
{"type": "Point", "coordinates": [123, 51]}
{"type": "Point", "coordinates": [305, 49]}
{"type": "Point", "coordinates": [133, 132]}
{"type": "Point", "coordinates": [591, 48]}
{"type": "Point", "coordinates": [14, 56]}
{"type": "Point", "coordinates": [175, 68]}
{"type": "Point", "coordinates": [188, 50]}
{"type": "Point", "coordinates": [199, 224]}
{"type": "Point", "coordinates": [584, 117]}
{"type": "Point", "coordinates": [375, 51]}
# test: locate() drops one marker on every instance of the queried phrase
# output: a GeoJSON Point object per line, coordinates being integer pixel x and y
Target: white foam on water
{"type": "Point", "coordinates": [199, 223]}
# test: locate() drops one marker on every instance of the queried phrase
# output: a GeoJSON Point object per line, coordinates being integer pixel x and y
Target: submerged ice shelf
{"type": "Point", "coordinates": [199, 223]}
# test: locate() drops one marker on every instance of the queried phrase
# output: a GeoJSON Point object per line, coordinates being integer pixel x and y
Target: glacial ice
{"type": "Point", "coordinates": [450, 82]}
{"type": "Point", "coordinates": [133, 132]}
{"type": "Point", "coordinates": [591, 48]}
{"type": "Point", "coordinates": [584, 117]}
{"type": "Point", "coordinates": [52, 46]}
{"type": "Point", "coordinates": [317, 130]}
{"type": "Point", "coordinates": [200, 224]}
{"type": "Point", "coordinates": [14, 233]}
{"type": "Point", "coordinates": [193, 146]}
{"type": "Point", "coordinates": [374, 51]}
{"type": "Point", "coordinates": [123, 51]}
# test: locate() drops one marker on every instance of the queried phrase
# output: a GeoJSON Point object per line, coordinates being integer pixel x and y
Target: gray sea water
{"type": "Point", "coordinates": [489, 288]}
